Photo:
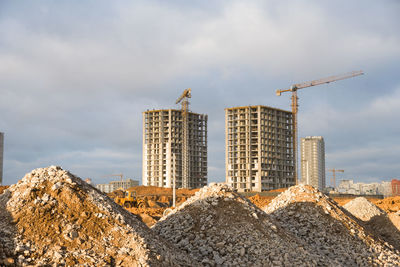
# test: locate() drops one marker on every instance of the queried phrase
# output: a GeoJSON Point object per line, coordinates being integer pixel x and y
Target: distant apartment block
{"type": "Point", "coordinates": [259, 148]}
{"type": "Point", "coordinates": [313, 161]}
{"type": "Point", "coordinates": [114, 185]}
{"type": "Point", "coordinates": [1, 156]}
{"type": "Point", "coordinates": [395, 185]}
{"type": "Point", "coordinates": [349, 187]}
{"type": "Point", "coordinates": [163, 149]}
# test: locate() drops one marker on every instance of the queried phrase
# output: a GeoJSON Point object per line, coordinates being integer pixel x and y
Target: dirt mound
{"type": "Point", "coordinates": [218, 227]}
{"type": "Point", "coordinates": [328, 230]}
{"type": "Point", "coordinates": [390, 204]}
{"type": "Point", "coordinates": [52, 217]}
{"type": "Point", "coordinates": [375, 219]}
{"type": "Point", "coordinates": [363, 209]}
{"type": "Point", "coordinates": [260, 201]}
{"type": "Point", "coordinates": [161, 191]}
{"type": "Point", "coordinates": [2, 188]}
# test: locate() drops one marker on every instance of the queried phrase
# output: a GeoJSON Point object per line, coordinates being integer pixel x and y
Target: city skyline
{"type": "Point", "coordinates": [76, 78]}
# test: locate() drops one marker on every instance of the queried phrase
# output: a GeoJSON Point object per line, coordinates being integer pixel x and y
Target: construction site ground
{"type": "Point", "coordinates": [159, 199]}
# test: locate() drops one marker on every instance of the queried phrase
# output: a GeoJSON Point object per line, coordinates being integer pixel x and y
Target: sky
{"type": "Point", "coordinates": [75, 77]}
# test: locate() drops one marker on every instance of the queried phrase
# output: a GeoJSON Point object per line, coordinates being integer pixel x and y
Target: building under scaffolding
{"type": "Point", "coordinates": [259, 148]}
{"type": "Point", "coordinates": [163, 143]}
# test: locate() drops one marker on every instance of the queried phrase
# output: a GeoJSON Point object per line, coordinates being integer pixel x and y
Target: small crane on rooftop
{"type": "Point", "coordinates": [295, 104]}
{"type": "Point", "coordinates": [184, 99]}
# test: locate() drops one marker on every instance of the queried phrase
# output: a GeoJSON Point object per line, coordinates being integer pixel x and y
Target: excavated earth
{"type": "Point", "coordinates": [53, 218]}
{"type": "Point", "coordinates": [219, 227]}
{"type": "Point", "coordinates": [329, 230]}
{"type": "Point", "coordinates": [375, 219]}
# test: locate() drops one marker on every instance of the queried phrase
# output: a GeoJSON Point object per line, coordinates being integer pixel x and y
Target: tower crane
{"type": "Point", "coordinates": [295, 104]}
{"type": "Point", "coordinates": [184, 99]}
{"type": "Point", "coordinates": [333, 180]}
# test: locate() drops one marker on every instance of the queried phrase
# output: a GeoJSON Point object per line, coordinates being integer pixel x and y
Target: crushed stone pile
{"type": "Point", "coordinates": [329, 230]}
{"type": "Point", "coordinates": [52, 217]}
{"type": "Point", "coordinates": [375, 219]}
{"type": "Point", "coordinates": [363, 209]}
{"type": "Point", "coordinates": [218, 227]}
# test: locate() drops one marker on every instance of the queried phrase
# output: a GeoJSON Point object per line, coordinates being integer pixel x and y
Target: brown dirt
{"type": "Point", "coordinates": [2, 188]}
{"type": "Point", "coordinates": [260, 201]}
{"type": "Point", "coordinates": [390, 204]}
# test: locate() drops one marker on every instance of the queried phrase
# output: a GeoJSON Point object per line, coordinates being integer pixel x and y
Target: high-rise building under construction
{"type": "Point", "coordinates": [1, 156]}
{"type": "Point", "coordinates": [163, 144]}
{"type": "Point", "coordinates": [259, 148]}
{"type": "Point", "coordinates": [313, 161]}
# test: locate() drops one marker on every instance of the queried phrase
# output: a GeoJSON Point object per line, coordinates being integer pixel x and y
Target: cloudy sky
{"type": "Point", "coordinates": [75, 77]}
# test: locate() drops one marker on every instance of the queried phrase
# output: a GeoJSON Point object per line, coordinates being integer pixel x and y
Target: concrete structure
{"type": "Point", "coordinates": [349, 187]}
{"type": "Point", "coordinates": [1, 156]}
{"type": "Point", "coordinates": [114, 185]}
{"type": "Point", "coordinates": [163, 141]}
{"type": "Point", "coordinates": [312, 153]}
{"type": "Point", "coordinates": [259, 148]}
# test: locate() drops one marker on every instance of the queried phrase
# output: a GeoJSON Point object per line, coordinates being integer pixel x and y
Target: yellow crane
{"type": "Point", "coordinates": [333, 180]}
{"type": "Point", "coordinates": [184, 98]}
{"type": "Point", "coordinates": [295, 104]}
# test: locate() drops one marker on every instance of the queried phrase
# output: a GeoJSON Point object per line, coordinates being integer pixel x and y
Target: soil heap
{"type": "Point", "coordinates": [363, 209]}
{"type": "Point", "coordinates": [375, 219]}
{"type": "Point", "coordinates": [328, 230]}
{"type": "Point", "coordinates": [52, 217]}
{"type": "Point", "coordinates": [218, 227]}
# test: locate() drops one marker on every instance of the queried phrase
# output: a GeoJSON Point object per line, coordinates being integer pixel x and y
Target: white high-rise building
{"type": "Point", "coordinates": [163, 149]}
{"type": "Point", "coordinates": [1, 157]}
{"type": "Point", "coordinates": [259, 148]}
{"type": "Point", "coordinates": [313, 161]}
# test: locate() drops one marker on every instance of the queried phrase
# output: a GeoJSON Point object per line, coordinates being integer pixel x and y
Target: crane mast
{"type": "Point", "coordinates": [333, 180]}
{"type": "Point", "coordinates": [295, 105]}
{"type": "Point", "coordinates": [184, 99]}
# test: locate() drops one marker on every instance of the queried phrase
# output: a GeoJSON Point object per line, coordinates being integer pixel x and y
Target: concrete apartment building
{"type": "Point", "coordinates": [1, 156]}
{"type": "Point", "coordinates": [259, 148]}
{"type": "Point", "coordinates": [313, 161]}
{"type": "Point", "coordinates": [114, 185]}
{"type": "Point", "coordinates": [163, 141]}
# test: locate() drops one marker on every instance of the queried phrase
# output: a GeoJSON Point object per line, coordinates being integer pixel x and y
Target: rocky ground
{"type": "Point", "coordinates": [329, 230]}
{"type": "Point", "coordinates": [53, 218]}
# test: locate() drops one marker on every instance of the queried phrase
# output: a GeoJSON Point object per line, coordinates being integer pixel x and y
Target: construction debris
{"type": "Point", "coordinates": [219, 227]}
{"type": "Point", "coordinates": [52, 217]}
{"type": "Point", "coordinates": [374, 219]}
{"type": "Point", "coordinates": [327, 229]}
{"type": "Point", "coordinates": [363, 209]}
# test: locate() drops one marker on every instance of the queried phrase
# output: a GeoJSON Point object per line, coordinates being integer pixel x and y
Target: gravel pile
{"type": "Point", "coordinates": [363, 209]}
{"type": "Point", "coordinates": [218, 227]}
{"type": "Point", "coordinates": [328, 230]}
{"type": "Point", "coordinates": [52, 217]}
{"type": "Point", "coordinates": [375, 219]}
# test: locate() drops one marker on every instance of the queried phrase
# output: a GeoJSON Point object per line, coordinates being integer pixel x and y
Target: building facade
{"type": "Point", "coordinates": [349, 187]}
{"type": "Point", "coordinates": [1, 156]}
{"type": "Point", "coordinates": [259, 148]}
{"type": "Point", "coordinates": [163, 149]}
{"type": "Point", "coordinates": [313, 161]}
{"type": "Point", "coordinates": [114, 185]}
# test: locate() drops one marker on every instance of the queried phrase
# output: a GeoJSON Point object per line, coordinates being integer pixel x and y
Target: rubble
{"type": "Point", "coordinates": [329, 230]}
{"type": "Point", "coordinates": [375, 219]}
{"type": "Point", "coordinates": [219, 227]}
{"type": "Point", "coordinates": [363, 209]}
{"type": "Point", "coordinates": [52, 217]}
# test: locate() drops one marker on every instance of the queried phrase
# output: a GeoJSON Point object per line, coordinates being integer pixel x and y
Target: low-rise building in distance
{"type": "Point", "coordinates": [114, 185]}
{"type": "Point", "coordinates": [349, 187]}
